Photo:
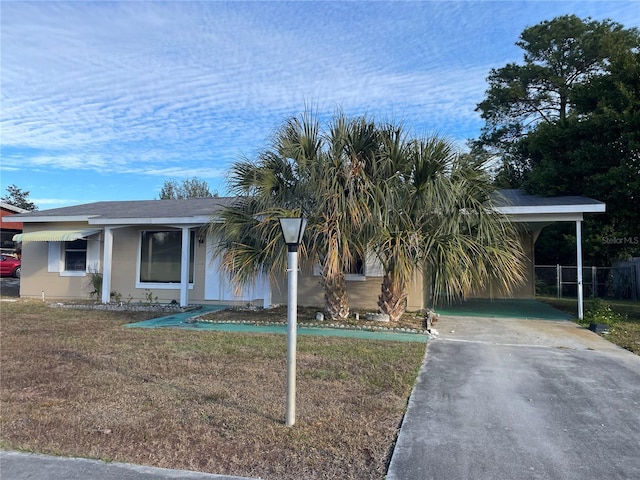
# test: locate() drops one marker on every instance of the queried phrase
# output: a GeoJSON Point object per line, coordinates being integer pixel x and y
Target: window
{"type": "Point", "coordinates": [74, 259]}
{"type": "Point", "coordinates": [356, 267]}
{"type": "Point", "coordinates": [160, 255]}
{"type": "Point", "coordinates": [359, 269]}
{"type": "Point", "coordinates": [75, 256]}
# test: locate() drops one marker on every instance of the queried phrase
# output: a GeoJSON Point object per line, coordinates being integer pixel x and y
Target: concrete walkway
{"type": "Point", "coordinates": [504, 398]}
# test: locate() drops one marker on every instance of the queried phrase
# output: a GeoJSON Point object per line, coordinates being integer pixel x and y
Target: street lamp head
{"type": "Point", "coordinates": [292, 231]}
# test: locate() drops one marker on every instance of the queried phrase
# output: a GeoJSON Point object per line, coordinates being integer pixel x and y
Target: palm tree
{"type": "Point", "coordinates": [343, 186]}
{"type": "Point", "coordinates": [325, 177]}
{"type": "Point", "coordinates": [439, 220]}
{"type": "Point", "coordinates": [417, 204]}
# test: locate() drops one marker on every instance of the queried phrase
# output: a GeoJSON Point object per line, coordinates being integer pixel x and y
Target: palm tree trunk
{"type": "Point", "coordinates": [336, 303]}
{"type": "Point", "coordinates": [393, 297]}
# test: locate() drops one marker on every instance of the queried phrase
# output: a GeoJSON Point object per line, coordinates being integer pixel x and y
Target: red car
{"type": "Point", "coordinates": [9, 266]}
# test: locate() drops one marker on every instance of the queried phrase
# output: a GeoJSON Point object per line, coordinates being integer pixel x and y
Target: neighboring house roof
{"type": "Point", "coordinates": [12, 208]}
{"type": "Point", "coordinates": [8, 214]}
{"type": "Point", "coordinates": [186, 211]}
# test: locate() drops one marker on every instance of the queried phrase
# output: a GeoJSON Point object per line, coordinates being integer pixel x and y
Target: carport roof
{"type": "Point", "coordinates": [524, 207]}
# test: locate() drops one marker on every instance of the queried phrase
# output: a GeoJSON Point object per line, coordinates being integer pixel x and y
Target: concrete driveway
{"type": "Point", "coordinates": [521, 399]}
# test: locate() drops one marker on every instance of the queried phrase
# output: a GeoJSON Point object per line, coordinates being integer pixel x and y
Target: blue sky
{"type": "Point", "coordinates": [107, 100]}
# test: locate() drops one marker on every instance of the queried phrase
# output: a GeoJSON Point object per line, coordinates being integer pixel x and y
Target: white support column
{"type": "Point", "coordinates": [184, 267]}
{"type": "Point", "coordinates": [579, 263]}
{"type": "Point", "coordinates": [107, 256]}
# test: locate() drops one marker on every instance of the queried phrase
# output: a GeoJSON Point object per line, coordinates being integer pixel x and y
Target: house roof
{"type": "Point", "coordinates": [518, 205]}
{"type": "Point", "coordinates": [186, 211]}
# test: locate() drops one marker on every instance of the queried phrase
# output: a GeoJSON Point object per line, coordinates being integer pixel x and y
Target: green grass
{"type": "Point", "coordinates": [622, 316]}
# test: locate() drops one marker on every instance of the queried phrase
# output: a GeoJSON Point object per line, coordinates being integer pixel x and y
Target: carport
{"type": "Point", "coordinates": [533, 213]}
{"type": "Point", "coordinates": [503, 308]}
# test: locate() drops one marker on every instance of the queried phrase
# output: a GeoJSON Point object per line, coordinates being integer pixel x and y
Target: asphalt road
{"type": "Point", "coordinates": [9, 287]}
{"type": "Point", "coordinates": [521, 399]}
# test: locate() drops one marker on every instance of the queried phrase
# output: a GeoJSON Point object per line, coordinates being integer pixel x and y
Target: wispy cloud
{"type": "Point", "coordinates": [185, 88]}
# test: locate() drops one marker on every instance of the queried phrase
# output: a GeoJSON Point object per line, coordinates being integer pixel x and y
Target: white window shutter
{"type": "Point", "coordinates": [373, 266]}
{"type": "Point", "coordinates": [55, 257]}
{"type": "Point", "coordinates": [93, 255]}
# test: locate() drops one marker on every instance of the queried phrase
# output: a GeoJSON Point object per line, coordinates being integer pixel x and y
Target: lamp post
{"type": "Point", "coordinates": [292, 231]}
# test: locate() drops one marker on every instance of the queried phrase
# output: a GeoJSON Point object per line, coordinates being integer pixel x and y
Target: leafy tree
{"type": "Point", "coordinates": [189, 188]}
{"type": "Point", "coordinates": [18, 198]}
{"type": "Point", "coordinates": [559, 55]}
{"type": "Point", "coordinates": [567, 122]}
{"type": "Point", "coordinates": [596, 152]}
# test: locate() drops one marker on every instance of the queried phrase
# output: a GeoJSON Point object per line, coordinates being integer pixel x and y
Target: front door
{"type": "Point", "coordinates": [217, 285]}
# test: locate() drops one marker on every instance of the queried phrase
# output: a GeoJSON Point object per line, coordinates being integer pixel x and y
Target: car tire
{"type": "Point", "coordinates": [17, 272]}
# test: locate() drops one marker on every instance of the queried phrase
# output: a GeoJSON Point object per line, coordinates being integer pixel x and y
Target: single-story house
{"type": "Point", "coordinates": [157, 249]}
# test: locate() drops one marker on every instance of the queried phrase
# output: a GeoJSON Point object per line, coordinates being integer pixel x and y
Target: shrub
{"type": "Point", "coordinates": [95, 281]}
{"type": "Point", "coordinates": [598, 311]}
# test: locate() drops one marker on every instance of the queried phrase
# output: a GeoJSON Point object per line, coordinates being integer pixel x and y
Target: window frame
{"type": "Point", "coordinates": [73, 248]}
{"type": "Point", "coordinates": [166, 285]}
{"type": "Point", "coordinates": [56, 258]}
{"type": "Point", "coordinates": [370, 268]}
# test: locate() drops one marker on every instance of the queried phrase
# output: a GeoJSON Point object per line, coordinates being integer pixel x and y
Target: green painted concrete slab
{"type": "Point", "coordinates": [179, 321]}
{"type": "Point", "coordinates": [531, 309]}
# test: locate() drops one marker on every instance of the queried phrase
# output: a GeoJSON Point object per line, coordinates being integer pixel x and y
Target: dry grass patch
{"type": "Point", "coordinates": [74, 382]}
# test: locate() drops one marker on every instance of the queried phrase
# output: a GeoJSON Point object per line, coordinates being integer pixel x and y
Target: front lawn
{"type": "Point", "coordinates": [76, 383]}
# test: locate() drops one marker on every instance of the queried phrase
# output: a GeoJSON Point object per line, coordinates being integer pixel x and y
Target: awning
{"type": "Point", "coordinates": [55, 235]}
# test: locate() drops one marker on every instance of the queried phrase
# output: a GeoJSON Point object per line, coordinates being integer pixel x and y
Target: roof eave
{"type": "Point", "coordinates": [202, 219]}
{"type": "Point", "coordinates": [49, 219]}
{"type": "Point", "coordinates": [552, 209]}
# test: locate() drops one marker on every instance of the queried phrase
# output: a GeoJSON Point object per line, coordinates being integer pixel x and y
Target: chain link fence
{"type": "Point", "coordinates": [615, 283]}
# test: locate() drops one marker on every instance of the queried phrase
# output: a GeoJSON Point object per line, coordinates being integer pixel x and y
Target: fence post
{"type": "Point", "coordinates": [559, 281]}
{"type": "Point", "coordinates": [594, 282]}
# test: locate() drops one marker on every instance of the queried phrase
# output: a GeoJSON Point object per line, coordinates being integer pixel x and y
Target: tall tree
{"type": "Point", "coordinates": [559, 55]}
{"type": "Point", "coordinates": [595, 152]}
{"type": "Point", "coordinates": [189, 188]}
{"type": "Point", "coordinates": [566, 122]}
{"type": "Point", "coordinates": [18, 198]}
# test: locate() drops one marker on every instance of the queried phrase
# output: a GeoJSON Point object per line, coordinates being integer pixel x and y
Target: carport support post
{"type": "Point", "coordinates": [579, 262]}
{"type": "Point", "coordinates": [184, 267]}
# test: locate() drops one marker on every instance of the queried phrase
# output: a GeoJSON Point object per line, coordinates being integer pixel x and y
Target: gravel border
{"type": "Point", "coordinates": [132, 307]}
